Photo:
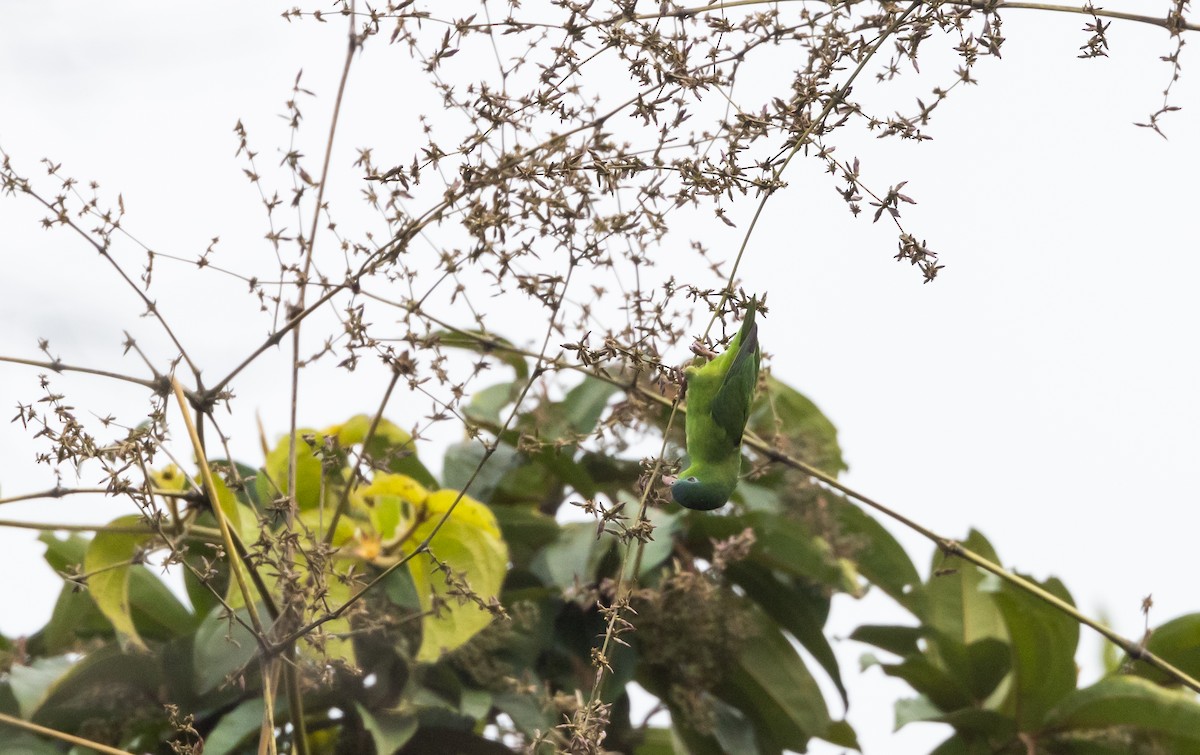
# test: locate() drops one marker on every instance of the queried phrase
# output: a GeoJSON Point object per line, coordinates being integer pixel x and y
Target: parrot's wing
{"type": "Point", "coordinates": [731, 405]}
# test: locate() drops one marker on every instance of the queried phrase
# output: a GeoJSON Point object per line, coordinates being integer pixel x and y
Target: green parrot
{"type": "Point", "coordinates": [718, 404]}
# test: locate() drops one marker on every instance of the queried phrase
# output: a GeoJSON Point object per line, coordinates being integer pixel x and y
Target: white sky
{"type": "Point", "coordinates": [1043, 390]}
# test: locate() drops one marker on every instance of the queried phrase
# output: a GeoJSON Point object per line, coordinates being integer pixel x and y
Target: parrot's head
{"type": "Point", "coordinates": [693, 493]}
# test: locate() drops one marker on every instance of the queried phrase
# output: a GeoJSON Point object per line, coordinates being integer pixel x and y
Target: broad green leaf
{"type": "Point", "coordinates": [236, 728]}
{"type": "Point", "coordinates": [62, 695]}
{"type": "Point", "coordinates": [1043, 642]}
{"type": "Point", "coordinates": [573, 558]}
{"type": "Point", "coordinates": [798, 608]}
{"type": "Point", "coordinates": [389, 730]}
{"type": "Point", "coordinates": [221, 647]}
{"type": "Point", "coordinates": [656, 741]}
{"type": "Point", "coordinates": [780, 543]}
{"type": "Point", "coordinates": [770, 684]}
{"type": "Point", "coordinates": [526, 530]}
{"type": "Point", "coordinates": [474, 703]}
{"type": "Point", "coordinates": [910, 709]}
{"type": "Point", "coordinates": [31, 684]}
{"type": "Point", "coordinates": [973, 723]}
{"type": "Point", "coordinates": [63, 554]}
{"type": "Point", "coordinates": [526, 712]}
{"type": "Point", "coordinates": [470, 545]}
{"type": "Point", "coordinates": [485, 343]}
{"type": "Point", "coordinates": [485, 405]}
{"type": "Point", "coordinates": [958, 745]}
{"type": "Point", "coordinates": [20, 743]}
{"type": "Point", "coordinates": [943, 690]}
{"type": "Point", "coordinates": [1127, 702]}
{"type": "Point", "coordinates": [812, 437]}
{"type": "Point", "coordinates": [75, 617]}
{"type": "Point", "coordinates": [956, 609]}
{"type": "Point", "coordinates": [156, 612]}
{"type": "Point", "coordinates": [732, 729]}
{"type": "Point", "coordinates": [401, 591]}
{"type": "Point", "coordinates": [898, 640]}
{"type": "Point", "coordinates": [841, 733]}
{"type": "Point", "coordinates": [583, 406]}
{"type": "Point", "coordinates": [880, 558]}
{"type": "Point", "coordinates": [1178, 643]}
{"type": "Point", "coordinates": [980, 722]}
{"type": "Point", "coordinates": [462, 459]}
{"type": "Point", "coordinates": [107, 564]}
{"type": "Point", "coordinates": [990, 660]}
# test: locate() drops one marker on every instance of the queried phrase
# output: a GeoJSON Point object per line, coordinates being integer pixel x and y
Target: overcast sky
{"type": "Point", "coordinates": [1043, 390]}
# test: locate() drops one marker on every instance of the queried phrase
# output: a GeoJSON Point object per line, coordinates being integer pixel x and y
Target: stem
{"type": "Point", "coordinates": [210, 486]}
{"type": "Point", "coordinates": [61, 735]}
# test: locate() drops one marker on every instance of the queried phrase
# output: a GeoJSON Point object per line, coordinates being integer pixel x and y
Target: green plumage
{"type": "Point", "coordinates": [718, 405]}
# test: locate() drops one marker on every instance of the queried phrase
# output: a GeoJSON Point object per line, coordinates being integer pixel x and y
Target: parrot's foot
{"type": "Point", "coordinates": [701, 350]}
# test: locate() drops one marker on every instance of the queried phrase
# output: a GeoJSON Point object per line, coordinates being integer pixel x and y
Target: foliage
{"type": "Point", "coordinates": [426, 658]}
{"type": "Point", "coordinates": [350, 595]}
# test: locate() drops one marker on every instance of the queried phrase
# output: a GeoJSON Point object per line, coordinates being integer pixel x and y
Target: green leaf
{"type": "Point", "coordinates": [235, 728]}
{"type": "Point", "coordinates": [1178, 643]}
{"type": "Point", "coordinates": [107, 564]}
{"type": "Point", "coordinates": [32, 684]}
{"type": "Point", "coordinates": [1043, 641]}
{"type": "Point", "coordinates": [63, 554]}
{"type": "Point", "coordinates": [943, 690]}
{"type": "Point", "coordinates": [526, 530]}
{"type": "Point", "coordinates": [485, 343]}
{"type": "Point", "coordinates": [841, 733]}
{"type": "Point", "coordinates": [62, 695]}
{"type": "Point", "coordinates": [573, 557]}
{"type": "Point", "coordinates": [898, 640]}
{"type": "Point", "coordinates": [1128, 702]}
{"type": "Point", "coordinates": [958, 745]}
{"type": "Point", "coordinates": [770, 684]}
{"type": "Point", "coordinates": [221, 647]}
{"type": "Point", "coordinates": [20, 743]}
{"type": "Point", "coordinates": [798, 608]}
{"type": "Point", "coordinates": [525, 711]}
{"type": "Point", "coordinates": [462, 459]}
{"type": "Point", "coordinates": [812, 437]}
{"type": "Point", "coordinates": [911, 709]}
{"type": "Point", "coordinates": [389, 731]}
{"type": "Point", "coordinates": [732, 729]}
{"type": "Point", "coordinates": [485, 405]}
{"type": "Point", "coordinates": [780, 543]}
{"type": "Point", "coordinates": [583, 406]}
{"type": "Point", "coordinates": [990, 660]}
{"type": "Point", "coordinates": [879, 556]}
{"type": "Point", "coordinates": [956, 609]}
{"type": "Point", "coordinates": [156, 612]}
{"type": "Point", "coordinates": [656, 741]}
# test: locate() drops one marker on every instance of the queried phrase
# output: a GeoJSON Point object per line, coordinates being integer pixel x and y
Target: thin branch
{"type": "Point", "coordinates": [33, 728]}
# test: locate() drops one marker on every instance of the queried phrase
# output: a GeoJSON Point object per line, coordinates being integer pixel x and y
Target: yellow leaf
{"type": "Point", "coordinates": [107, 564]}
{"type": "Point", "coordinates": [470, 545]}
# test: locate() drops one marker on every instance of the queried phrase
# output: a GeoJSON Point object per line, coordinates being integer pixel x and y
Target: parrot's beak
{"type": "Point", "coordinates": [669, 479]}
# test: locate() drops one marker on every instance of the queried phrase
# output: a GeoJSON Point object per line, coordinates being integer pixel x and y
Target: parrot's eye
{"type": "Point", "coordinates": [693, 478]}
